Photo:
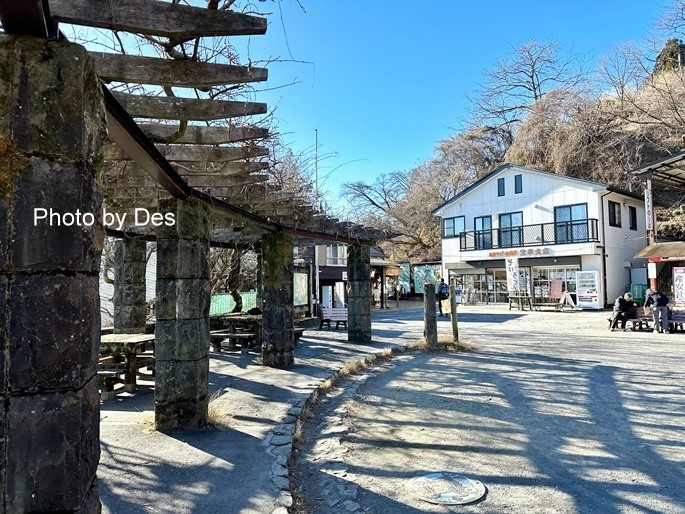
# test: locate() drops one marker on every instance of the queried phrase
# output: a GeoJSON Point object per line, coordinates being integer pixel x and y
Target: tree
{"type": "Point", "coordinates": [514, 84]}
{"type": "Point", "coordinates": [671, 57]}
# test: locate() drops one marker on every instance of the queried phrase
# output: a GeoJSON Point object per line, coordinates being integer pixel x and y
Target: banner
{"type": "Point", "coordinates": [649, 215]}
{"type": "Point", "coordinates": [679, 286]}
{"type": "Point", "coordinates": [513, 278]}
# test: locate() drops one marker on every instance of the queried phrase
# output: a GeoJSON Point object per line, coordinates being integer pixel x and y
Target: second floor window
{"type": "Point", "coordinates": [336, 255]}
{"type": "Point", "coordinates": [614, 214]}
{"type": "Point", "coordinates": [483, 233]}
{"type": "Point", "coordinates": [510, 229]}
{"type": "Point", "coordinates": [632, 215]}
{"type": "Point", "coordinates": [570, 223]}
{"type": "Point", "coordinates": [452, 227]}
{"type": "Point", "coordinates": [518, 184]}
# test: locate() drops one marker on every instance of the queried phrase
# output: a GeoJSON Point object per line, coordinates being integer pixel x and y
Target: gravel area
{"type": "Point", "coordinates": [551, 411]}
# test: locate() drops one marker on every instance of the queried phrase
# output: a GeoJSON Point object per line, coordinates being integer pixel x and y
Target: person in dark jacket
{"type": "Point", "coordinates": [624, 309]}
{"type": "Point", "coordinates": [658, 301]}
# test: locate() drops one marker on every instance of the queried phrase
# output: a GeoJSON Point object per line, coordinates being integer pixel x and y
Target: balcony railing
{"type": "Point", "coordinates": [542, 234]}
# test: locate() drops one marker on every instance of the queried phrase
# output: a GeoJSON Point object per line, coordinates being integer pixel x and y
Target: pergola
{"type": "Point", "coordinates": [67, 141]}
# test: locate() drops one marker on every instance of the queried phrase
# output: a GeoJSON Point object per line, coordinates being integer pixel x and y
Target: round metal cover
{"type": "Point", "coordinates": [446, 488]}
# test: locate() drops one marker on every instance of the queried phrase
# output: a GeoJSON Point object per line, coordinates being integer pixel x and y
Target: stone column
{"type": "Point", "coordinates": [359, 305]}
{"type": "Point", "coordinates": [52, 126]}
{"type": "Point", "coordinates": [130, 310]}
{"type": "Point", "coordinates": [182, 312]}
{"type": "Point", "coordinates": [277, 301]}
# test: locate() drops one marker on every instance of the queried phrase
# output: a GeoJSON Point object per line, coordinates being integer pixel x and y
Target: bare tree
{"type": "Point", "coordinates": [517, 82]}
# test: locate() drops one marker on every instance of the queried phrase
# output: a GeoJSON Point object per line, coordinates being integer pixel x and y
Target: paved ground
{"type": "Point", "coordinates": [556, 395]}
{"type": "Point", "coordinates": [551, 411]}
{"type": "Point", "coordinates": [239, 469]}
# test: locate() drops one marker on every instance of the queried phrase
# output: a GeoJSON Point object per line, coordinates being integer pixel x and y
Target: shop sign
{"type": "Point", "coordinates": [523, 252]}
{"type": "Point", "coordinates": [679, 285]}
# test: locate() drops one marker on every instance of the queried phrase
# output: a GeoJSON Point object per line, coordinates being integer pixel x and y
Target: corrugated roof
{"type": "Point", "coordinates": [669, 249]}
{"type": "Point", "coordinates": [669, 171]}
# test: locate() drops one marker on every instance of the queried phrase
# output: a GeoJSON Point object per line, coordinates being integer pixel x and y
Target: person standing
{"type": "Point", "coordinates": [659, 303]}
{"type": "Point", "coordinates": [624, 307]}
{"type": "Point", "coordinates": [443, 293]}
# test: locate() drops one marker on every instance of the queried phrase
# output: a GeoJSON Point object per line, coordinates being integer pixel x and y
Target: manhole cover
{"type": "Point", "coordinates": [446, 488]}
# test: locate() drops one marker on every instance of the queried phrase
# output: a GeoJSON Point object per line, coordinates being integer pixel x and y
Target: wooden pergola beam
{"type": "Point", "coordinates": [224, 169]}
{"type": "Point", "coordinates": [154, 18]}
{"type": "Point", "coordinates": [194, 153]}
{"type": "Point", "coordinates": [200, 135]}
{"type": "Point", "coordinates": [175, 108]}
{"type": "Point", "coordinates": [171, 72]}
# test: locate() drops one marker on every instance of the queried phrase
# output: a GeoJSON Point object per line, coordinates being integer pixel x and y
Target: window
{"type": "Point", "coordinates": [500, 186]}
{"type": "Point", "coordinates": [510, 229]}
{"type": "Point", "coordinates": [518, 184]}
{"type": "Point", "coordinates": [571, 223]}
{"type": "Point", "coordinates": [614, 214]}
{"type": "Point", "coordinates": [483, 232]}
{"type": "Point", "coordinates": [632, 217]}
{"type": "Point", "coordinates": [336, 255]}
{"type": "Point", "coordinates": [452, 227]}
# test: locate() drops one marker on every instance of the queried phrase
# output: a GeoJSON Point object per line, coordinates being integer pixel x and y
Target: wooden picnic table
{"type": "Point", "coordinates": [235, 324]}
{"type": "Point", "coordinates": [521, 301]}
{"type": "Point", "coordinates": [129, 346]}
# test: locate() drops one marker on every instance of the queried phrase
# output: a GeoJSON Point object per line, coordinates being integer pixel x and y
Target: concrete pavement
{"type": "Point", "coordinates": [242, 469]}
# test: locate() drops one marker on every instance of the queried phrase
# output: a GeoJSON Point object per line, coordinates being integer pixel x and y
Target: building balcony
{"type": "Point", "coordinates": [542, 234]}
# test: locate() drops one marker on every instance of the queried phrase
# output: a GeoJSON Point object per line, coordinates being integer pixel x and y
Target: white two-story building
{"type": "Point", "coordinates": [554, 227]}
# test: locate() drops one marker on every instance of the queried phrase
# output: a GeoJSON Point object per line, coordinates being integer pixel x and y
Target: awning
{"type": "Point", "coordinates": [668, 250]}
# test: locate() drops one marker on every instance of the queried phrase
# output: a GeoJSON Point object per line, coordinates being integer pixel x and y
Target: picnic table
{"type": "Point", "coordinates": [243, 328]}
{"type": "Point", "coordinates": [128, 346]}
{"type": "Point", "coordinates": [521, 301]}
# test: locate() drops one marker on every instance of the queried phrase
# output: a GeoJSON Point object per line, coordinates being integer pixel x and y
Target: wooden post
{"type": "Point", "coordinates": [453, 310]}
{"type": "Point", "coordinates": [430, 330]}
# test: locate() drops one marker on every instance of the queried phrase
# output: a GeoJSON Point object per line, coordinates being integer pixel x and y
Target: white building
{"type": "Point", "coordinates": [555, 228]}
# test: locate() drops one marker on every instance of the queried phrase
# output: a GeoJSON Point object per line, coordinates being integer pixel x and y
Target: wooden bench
{"type": "Point", "coordinates": [676, 319]}
{"type": "Point", "coordinates": [297, 333]}
{"type": "Point", "coordinates": [520, 301]}
{"type": "Point", "coordinates": [217, 337]}
{"type": "Point", "coordinates": [642, 320]}
{"type": "Point", "coordinates": [539, 302]}
{"type": "Point", "coordinates": [109, 374]}
{"type": "Point", "coordinates": [328, 315]}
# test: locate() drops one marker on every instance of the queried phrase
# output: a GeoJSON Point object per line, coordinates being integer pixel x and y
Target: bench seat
{"type": "Point", "coordinates": [337, 315]}
{"type": "Point", "coordinates": [643, 320]}
{"type": "Point", "coordinates": [246, 339]}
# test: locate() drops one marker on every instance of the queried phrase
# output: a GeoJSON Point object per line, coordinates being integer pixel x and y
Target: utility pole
{"type": "Point", "coordinates": [317, 293]}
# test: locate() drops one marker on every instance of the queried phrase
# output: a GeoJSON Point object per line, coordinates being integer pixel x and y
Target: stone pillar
{"type": "Point", "coordinates": [359, 304]}
{"type": "Point", "coordinates": [277, 301]}
{"type": "Point", "coordinates": [130, 310]}
{"type": "Point", "coordinates": [52, 127]}
{"type": "Point", "coordinates": [182, 312]}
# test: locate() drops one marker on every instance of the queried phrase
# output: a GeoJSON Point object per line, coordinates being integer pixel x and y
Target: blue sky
{"type": "Point", "coordinates": [384, 81]}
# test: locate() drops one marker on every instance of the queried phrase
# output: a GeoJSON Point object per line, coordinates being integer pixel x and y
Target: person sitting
{"type": "Point", "coordinates": [624, 307]}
